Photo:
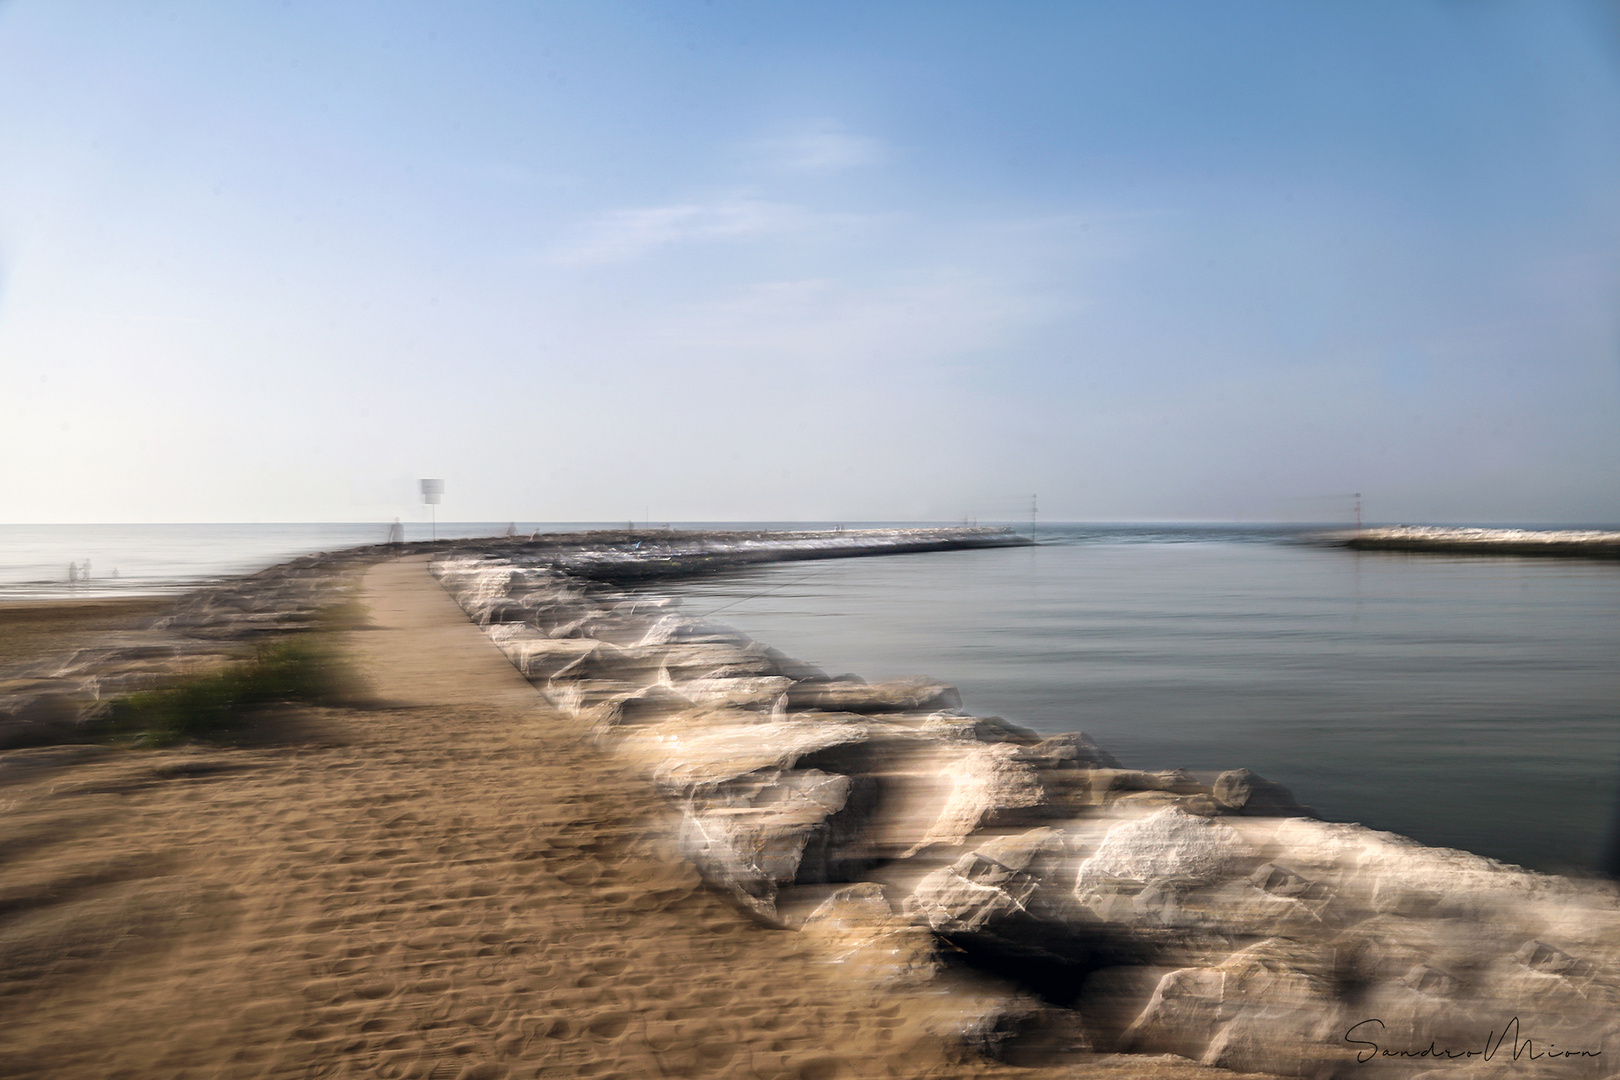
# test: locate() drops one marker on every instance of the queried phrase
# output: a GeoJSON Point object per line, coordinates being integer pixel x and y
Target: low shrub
{"type": "Point", "coordinates": [220, 705]}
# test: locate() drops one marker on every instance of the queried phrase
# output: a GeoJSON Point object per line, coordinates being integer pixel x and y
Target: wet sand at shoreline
{"type": "Point", "coordinates": [446, 884]}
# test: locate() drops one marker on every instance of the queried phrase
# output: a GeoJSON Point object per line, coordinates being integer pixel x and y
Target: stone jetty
{"type": "Point", "coordinates": [1051, 900]}
{"type": "Point", "coordinates": [663, 554]}
{"type": "Point", "coordinates": [1568, 543]}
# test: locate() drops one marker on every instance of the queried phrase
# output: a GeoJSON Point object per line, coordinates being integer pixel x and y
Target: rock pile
{"type": "Point", "coordinates": [660, 554]}
{"type": "Point", "coordinates": [1064, 901]}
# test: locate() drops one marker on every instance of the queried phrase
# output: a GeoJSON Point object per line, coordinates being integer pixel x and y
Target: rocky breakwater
{"type": "Point", "coordinates": [632, 555]}
{"type": "Point", "coordinates": [1048, 901]}
{"type": "Point", "coordinates": [1576, 543]}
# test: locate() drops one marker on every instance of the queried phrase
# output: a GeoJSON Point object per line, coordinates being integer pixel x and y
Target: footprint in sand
{"type": "Point", "coordinates": [375, 991]}
{"type": "Point", "coordinates": [580, 874]}
{"type": "Point", "coordinates": [483, 1017]}
{"type": "Point", "coordinates": [557, 1028]}
{"type": "Point", "coordinates": [821, 1068]}
{"type": "Point", "coordinates": [658, 899]}
{"type": "Point", "coordinates": [702, 1059]}
{"type": "Point", "coordinates": [608, 1027]}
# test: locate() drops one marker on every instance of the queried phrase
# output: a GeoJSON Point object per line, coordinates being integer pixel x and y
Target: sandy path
{"type": "Point", "coordinates": [461, 889]}
{"type": "Point", "coordinates": [448, 886]}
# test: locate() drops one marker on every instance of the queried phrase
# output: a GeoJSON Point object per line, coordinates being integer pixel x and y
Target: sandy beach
{"type": "Point", "coordinates": [32, 628]}
{"type": "Point", "coordinates": [444, 881]}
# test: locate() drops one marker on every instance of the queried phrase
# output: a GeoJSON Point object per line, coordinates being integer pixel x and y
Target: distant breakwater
{"type": "Point", "coordinates": [1566, 543]}
{"type": "Point", "coordinates": [632, 555]}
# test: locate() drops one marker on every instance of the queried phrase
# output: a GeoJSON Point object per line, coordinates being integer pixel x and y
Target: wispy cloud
{"type": "Point", "coordinates": [822, 147]}
{"type": "Point", "coordinates": [854, 290]}
{"type": "Point", "coordinates": [626, 234]}
{"type": "Point", "coordinates": [930, 317]}
{"type": "Point", "coordinates": [629, 233]}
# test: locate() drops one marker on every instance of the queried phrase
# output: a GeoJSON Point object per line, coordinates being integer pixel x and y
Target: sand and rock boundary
{"type": "Point", "coordinates": [447, 883]}
{"type": "Point", "coordinates": [1085, 907]}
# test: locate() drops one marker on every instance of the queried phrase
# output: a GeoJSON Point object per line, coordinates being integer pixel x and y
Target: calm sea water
{"type": "Point", "coordinates": [1468, 702]}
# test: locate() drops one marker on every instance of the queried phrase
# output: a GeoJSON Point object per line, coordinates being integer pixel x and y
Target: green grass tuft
{"type": "Point", "coordinates": [219, 705]}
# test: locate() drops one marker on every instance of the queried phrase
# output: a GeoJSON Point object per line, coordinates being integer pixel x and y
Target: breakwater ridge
{"type": "Point", "coordinates": [1566, 543]}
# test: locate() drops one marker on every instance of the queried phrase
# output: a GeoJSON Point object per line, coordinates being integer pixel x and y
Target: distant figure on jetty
{"type": "Point", "coordinates": [396, 533]}
{"type": "Point", "coordinates": [73, 573]}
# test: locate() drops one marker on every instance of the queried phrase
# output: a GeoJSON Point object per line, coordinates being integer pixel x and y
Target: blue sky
{"type": "Point", "coordinates": [711, 261]}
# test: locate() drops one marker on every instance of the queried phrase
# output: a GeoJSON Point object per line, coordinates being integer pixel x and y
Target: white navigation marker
{"type": "Point", "coordinates": [432, 492]}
